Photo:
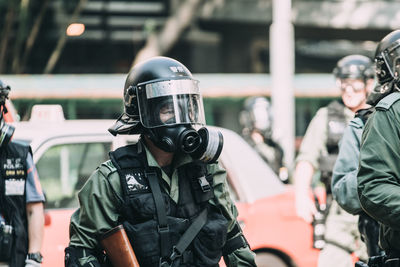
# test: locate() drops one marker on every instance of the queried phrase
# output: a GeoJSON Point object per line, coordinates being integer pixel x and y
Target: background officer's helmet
{"type": "Point", "coordinates": [159, 84]}
{"type": "Point", "coordinates": [387, 57]}
{"type": "Point", "coordinates": [257, 115]}
{"type": "Point", "coordinates": [4, 91]}
{"type": "Point", "coordinates": [354, 67]}
{"type": "Point", "coordinates": [6, 130]}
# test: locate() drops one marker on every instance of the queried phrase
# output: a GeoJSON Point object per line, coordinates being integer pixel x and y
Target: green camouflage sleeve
{"type": "Point", "coordinates": [98, 211]}
{"type": "Point", "coordinates": [243, 256]}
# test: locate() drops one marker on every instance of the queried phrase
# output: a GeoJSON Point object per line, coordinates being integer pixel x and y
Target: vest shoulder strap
{"type": "Point", "coordinates": [386, 102]}
{"type": "Point", "coordinates": [128, 157]}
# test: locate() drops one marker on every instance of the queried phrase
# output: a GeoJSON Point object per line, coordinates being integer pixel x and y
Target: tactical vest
{"type": "Point", "coordinates": [154, 236]}
{"type": "Point", "coordinates": [335, 128]}
{"type": "Point", "coordinates": [13, 201]}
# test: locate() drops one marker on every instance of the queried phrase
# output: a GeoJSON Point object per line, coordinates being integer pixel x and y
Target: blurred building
{"type": "Point", "coordinates": [221, 36]}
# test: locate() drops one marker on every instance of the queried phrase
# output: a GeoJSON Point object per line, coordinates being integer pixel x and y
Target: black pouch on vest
{"type": "Point", "coordinates": [6, 242]}
{"type": "Point", "coordinates": [201, 181]}
{"type": "Point", "coordinates": [142, 205]}
{"type": "Point", "coordinates": [145, 238]}
{"type": "Point", "coordinates": [207, 246]}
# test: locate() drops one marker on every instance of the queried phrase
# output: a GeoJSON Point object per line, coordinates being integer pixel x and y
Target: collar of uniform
{"type": "Point", "coordinates": [179, 160]}
{"type": "Point", "coordinates": [151, 161]}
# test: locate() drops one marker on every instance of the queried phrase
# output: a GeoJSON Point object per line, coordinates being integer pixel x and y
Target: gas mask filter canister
{"type": "Point", "coordinates": [210, 147]}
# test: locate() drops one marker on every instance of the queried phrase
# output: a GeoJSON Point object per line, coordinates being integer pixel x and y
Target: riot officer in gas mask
{"type": "Point", "coordinates": [257, 121]}
{"type": "Point", "coordinates": [21, 198]}
{"type": "Point", "coordinates": [167, 190]}
{"type": "Point", "coordinates": [379, 172]}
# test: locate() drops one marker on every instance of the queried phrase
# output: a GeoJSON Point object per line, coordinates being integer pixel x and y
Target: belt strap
{"type": "Point", "coordinates": [163, 227]}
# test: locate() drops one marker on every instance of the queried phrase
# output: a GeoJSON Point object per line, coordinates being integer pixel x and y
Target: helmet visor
{"type": "Point", "coordinates": [392, 58]}
{"type": "Point", "coordinates": [170, 103]}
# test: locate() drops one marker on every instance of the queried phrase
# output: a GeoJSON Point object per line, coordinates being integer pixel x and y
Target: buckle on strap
{"type": "Point", "coordinates": [163, 229]}
{"type": "Point", "coordinates": [175, 254]}
{"type": "Point", "coordinates": [163, 263]}
{"type": "Point", "coordinates": [204, 184]}
{"type": "Point", "coordinates": [170, 261]}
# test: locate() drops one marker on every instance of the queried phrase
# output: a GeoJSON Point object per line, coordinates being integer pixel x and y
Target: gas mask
{"type": "Point", "coordinates": [205, 144]}
{"type": "Point", "coordinates": [171, 112]}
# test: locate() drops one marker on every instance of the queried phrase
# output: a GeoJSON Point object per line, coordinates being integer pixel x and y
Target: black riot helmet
{"type": "Point", "coordinates": [387, 57]}
{"type": "Point", "coordinates": [354, 67]}
{"type": "Point", "coordinates": [6, 130]}
{"type": "Point", "coordinates": [257, 115]}
{"type": "Point", "coordinates": [163, 102]}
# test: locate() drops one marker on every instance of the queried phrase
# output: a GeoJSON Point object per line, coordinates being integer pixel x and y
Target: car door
{"type": "Point", "coordinates": [64, 165]}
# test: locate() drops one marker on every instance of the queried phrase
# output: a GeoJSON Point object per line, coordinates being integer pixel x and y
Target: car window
{"type": "Point", "coordinates": [63, 169]}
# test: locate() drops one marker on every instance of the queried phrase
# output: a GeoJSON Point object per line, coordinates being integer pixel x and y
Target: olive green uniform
{"type": "Point", "coordinates": [342, 235]}
{"type": "Point", "coordinates": [379, 172]}
{"type": "Point", "coordinates": [101, 196]}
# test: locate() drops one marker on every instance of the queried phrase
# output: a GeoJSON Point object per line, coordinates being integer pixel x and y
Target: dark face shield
{"type": "Point", "coordinates": [168, 103]}
{"type": "Point", "coordinates": [391, 57]}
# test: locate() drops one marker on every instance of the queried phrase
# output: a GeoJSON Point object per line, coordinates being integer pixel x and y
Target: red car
{"type": "Point", "coordinates": [67, 152]}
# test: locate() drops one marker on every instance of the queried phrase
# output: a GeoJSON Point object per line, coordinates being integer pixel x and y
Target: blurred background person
{"type": "Point", "coordinates": [344, 178]}
{"type": "Point", "coordinates": [319, 150]}
{"type": "Point", "coordinates": [21, 199]}
{"type": "Point", "coordinates": [256, 120]}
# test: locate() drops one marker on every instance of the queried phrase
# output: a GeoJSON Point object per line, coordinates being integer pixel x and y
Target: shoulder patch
{"type": "Point", "coordinates": [386, 102]}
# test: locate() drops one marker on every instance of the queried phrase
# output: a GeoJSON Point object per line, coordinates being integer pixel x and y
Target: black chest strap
{"type": "Point", "coordinates": [163, 227]}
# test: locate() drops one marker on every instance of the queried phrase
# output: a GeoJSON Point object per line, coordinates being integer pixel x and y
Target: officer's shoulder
{"type": "Point", "coordinates": [388, 101]}
{"type": "Point", "coordinates": [215, 167]}
{"type": "Point", "coordinates": [107, 168]}
{"type": "Point", "coordinates": [19, 143]}
{"type": "Point", "coordinates": [323, 112]}
{"type": "Point", "coordinates": [356, 122]}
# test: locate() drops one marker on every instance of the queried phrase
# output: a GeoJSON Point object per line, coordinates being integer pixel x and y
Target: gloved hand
{"type": "Point", "coordinates": [32, 263]}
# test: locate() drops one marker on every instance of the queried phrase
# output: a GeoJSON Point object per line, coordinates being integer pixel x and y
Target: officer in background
{"type": "Point", "coordinates": [379, 171]}
{"type": "Point", "coordinates": [344, 178]}
{"type": "Point", "coordinates": [318, 151]}
{"type": "Point", "coordinates": [161, 186]}
{"type": "Point", "coordinates": [21, 199]}
{"type": "Point", "coordinates": [257, 120]}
